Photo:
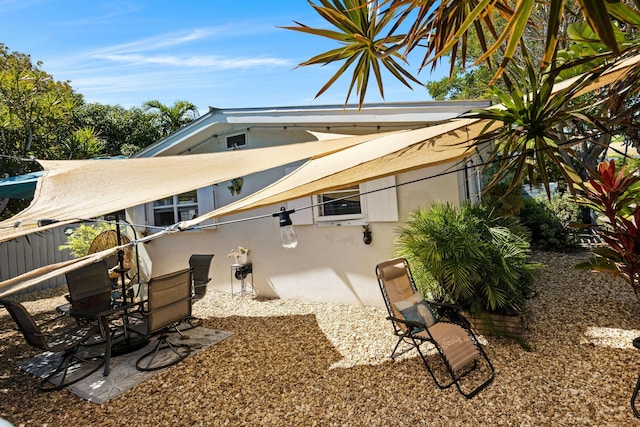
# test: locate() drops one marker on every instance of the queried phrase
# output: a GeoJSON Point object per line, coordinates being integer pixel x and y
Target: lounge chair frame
{"type": "Point", "coordinates": [414, 334]}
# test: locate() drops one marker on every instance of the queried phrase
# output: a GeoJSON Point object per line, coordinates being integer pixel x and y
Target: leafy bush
{"type": "Point", "coordinates": [549, 221]}
{"type": "Point", "coordinates": [465, 256]}
{"type": "Point", "coordinates": [79, 241]}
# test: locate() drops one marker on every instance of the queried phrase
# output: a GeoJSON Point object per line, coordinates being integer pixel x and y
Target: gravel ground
{"type": "Point", "coordinates": [291, 363]}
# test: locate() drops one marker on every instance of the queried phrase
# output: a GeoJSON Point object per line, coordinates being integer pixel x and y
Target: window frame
{"type": "Point", "coordinates": [204, 202]}
{"type": "Point", "coordinates": [328, 219]}
{"type": "Point", "coordinates": [236, 146]}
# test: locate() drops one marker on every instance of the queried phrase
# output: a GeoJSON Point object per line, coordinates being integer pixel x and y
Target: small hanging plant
{"type": "Point", "coordinates": [236, 186]}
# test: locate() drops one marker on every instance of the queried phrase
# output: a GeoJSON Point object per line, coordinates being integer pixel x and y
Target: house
{"type": "Point", "coordinates": [331, 263]}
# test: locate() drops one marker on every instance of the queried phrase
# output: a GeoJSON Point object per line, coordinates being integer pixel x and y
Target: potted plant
{"type": "Point", "coordinates": [467, 257]}
{"type": "Point", "coordinates": [239, 255]}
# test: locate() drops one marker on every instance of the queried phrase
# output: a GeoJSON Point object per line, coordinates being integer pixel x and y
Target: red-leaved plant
{"type": "Point", "coordinates": [614, 195]}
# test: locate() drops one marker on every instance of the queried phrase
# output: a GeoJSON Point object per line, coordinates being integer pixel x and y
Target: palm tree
{"type": "Point", "coordinates": [172, 117]}
{"type": "Point", "coordinates": [381, 33]}
{"type": "Point", "coordinates": [530, 134]}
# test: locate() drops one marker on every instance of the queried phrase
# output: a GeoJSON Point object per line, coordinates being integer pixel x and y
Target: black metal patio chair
{"type": "Point", "coordinates": [66, 339]}
{"type": "Point", "coordinates": [168, 304]}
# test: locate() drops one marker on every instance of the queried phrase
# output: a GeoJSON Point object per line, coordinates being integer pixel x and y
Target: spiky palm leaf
{"type": "Point", "coordinates": [531, 113]}
{"type": "Point", "coordinates": [360, 29]}
{"type": "Point", "coordinates": [442, 28]}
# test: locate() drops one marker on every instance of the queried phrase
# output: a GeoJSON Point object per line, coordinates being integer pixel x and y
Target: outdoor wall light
{"type": "Point", "coordinates": [287, 234]}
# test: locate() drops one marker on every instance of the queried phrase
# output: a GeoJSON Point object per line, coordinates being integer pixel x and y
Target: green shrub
{"type": "Point", "coordinates": [79, 241]}
{"type": "Point", "coordinates": [549, 221]}
{"type": "Point", "coordinates": [466, 256]}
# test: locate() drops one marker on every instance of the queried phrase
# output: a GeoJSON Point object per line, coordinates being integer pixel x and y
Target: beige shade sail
{"type": "Point", "coordinates": [382, 156]}
{"type": "Point", "coordinates": [47, 272]}
{"type": "Point", "coordinates": [391, 154]}
{"type": "Point", "coordinates": [73, 190]}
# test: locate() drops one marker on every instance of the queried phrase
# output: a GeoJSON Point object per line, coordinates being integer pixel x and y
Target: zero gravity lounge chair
{"type": "Point", "coordinates": [416, 321]}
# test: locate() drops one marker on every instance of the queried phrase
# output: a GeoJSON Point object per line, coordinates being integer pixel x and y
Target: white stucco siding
{"type": "Point", "coordinates": [330, 264]}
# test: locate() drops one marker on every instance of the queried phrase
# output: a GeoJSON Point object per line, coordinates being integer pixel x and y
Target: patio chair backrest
{"type": "Point", "coordinates": [200, 264]}
{"type": "Point", "coordinates": [26, 324]}
{"type": "Point", "coordinates": [396, 284]}
{"type": "Point", "coordinates": [169, 300]}
{"type": "Point", "coordinates": [89, 289]}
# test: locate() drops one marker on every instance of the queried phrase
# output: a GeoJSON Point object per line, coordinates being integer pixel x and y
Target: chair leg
{"type": "Point", "coordinates": [633, 398]}
{"type": "Point", "coordinates": [180, 350]}
{"type": "Point", "coordinates": [49, 383]}
{"type": "Point", "coordinates": [192, 322]}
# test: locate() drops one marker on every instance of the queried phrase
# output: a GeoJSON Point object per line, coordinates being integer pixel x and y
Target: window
{"type": "Point", "coordinates": [371, 201]}
{"type": "Point", "coordinates": [340, 204]}
{"type": "Point", "coordinates": [236, 141]}
{"type": "Point", "coordinates": [175, 208]}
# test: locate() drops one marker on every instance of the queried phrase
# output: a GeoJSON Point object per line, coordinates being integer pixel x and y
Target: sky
{"type": "Point", "coordinates": [215, 53]}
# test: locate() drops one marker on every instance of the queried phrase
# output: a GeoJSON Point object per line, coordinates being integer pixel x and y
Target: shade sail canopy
{"type": "Point", "coordinates": [382, 156]}
{"type": "Point", "coordinates": [72, 190]}
{"type": "Point", "coordinates": [20, 186]}
{"type": "Point", "coordinates": [392, 154]}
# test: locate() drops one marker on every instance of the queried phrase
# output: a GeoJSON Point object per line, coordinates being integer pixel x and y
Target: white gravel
{"type": "Point", "coordinates": [291, 363]}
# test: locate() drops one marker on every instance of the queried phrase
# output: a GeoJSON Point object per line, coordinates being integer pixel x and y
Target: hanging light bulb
{"type": "Point", "coordinates": [287, 233]}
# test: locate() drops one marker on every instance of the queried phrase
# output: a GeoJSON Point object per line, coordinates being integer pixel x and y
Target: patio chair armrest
{"type": "Point", "coordinates": [120, 308]}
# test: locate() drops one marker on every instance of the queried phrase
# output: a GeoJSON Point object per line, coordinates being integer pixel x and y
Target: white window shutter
{"type": "Point", "coordinates": [382, 205]}
{"type": "Point", "coordinates": [301, 216]}
{"type": "Point", "coordinates": [205, 200]}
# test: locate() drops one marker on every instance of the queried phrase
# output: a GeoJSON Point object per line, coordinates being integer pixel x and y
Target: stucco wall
{"type": "Point", "coordinates": [330, 264]}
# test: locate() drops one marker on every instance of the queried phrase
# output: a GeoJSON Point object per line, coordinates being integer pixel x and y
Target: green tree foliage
{"type": "Point", "coordinates": [36, 112]}
{"type": "Point", "coordinates": [83, 144]}
{"type": "Point", "coordinates": [173, 117]}
{"type": "Point", "coordinates": [372, 32]}
{"type": "Point", "coordinates": [124, 131]}
{"type": "Point", "coordinates": [470, 84]}
{"type": "Point", "coordinates": [79, 240]}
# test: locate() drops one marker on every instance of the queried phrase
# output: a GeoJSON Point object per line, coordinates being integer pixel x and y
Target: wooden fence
{"type": "Point", "coordinates": [30, 252]}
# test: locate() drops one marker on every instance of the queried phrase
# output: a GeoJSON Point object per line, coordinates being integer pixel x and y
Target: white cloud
{"type": "Point", "coordinates": [200, 61]}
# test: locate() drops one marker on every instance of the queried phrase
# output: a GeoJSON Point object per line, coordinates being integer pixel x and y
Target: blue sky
{"type": "Point", "coordinates": [225, 54]}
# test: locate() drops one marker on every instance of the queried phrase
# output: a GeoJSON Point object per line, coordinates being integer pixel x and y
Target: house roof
{"type": "Point", "coordinates": [347, 120]}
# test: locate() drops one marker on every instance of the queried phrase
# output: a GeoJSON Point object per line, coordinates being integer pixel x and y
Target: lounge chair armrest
{"type": "Point", "coordinates": [410, 323]}
{"type": "Point", "coordinates": [446, 306]}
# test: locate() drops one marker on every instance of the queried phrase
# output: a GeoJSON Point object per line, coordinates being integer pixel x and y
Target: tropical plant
{"type": "Point", "coordinates": [549, 222]}
{"type": "Point", "coordinates": [172, 117]}
{"type": "Point", "coordinates": [124, 131]}
{"type": "Point", "coordinates": [464, 255]}
{"type": "Point", "coordinates": [525, 128]}
{"type": "Point", "coordinates": [443, 30]}
{"type": "Point", "coordinates": [79, 239]}
{"type": "Point", "coordinates": [362, 32]}
{"type": "Point", "coordinates": [83, 144]}
{"type": "Point", "coordinates": [615, 194]}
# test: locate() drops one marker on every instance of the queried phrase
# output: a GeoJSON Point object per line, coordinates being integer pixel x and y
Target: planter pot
{"type": "Point", "coordinates": [497, 324]}
{"type": "Point", "coordinates": [241, 259]}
